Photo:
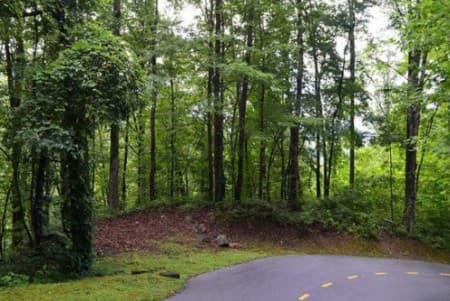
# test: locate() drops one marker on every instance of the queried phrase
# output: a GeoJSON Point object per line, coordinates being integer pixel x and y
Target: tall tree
{"type": "Point", "coordinates": [417, 59]}
{"type": "Point", "coordinates": [154, 98]}
{"type": "Point", "coordinates": [219, 176]}
{"type": "Point", "coordinates": [293, 165]}
{"type": "Point", "coordinates": [113, 187]}
{"type": "Point", "coordinates": [15, 67]}
{"type": "Point", "coordinates": [243, 100]}
{"type": "Point", "coordinates": [352, 67]}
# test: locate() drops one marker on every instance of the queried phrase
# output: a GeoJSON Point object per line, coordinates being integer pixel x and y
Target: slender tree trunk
{"type": "Point", "coordinates": [283, 186]}
{"type": "Point", "coordinates": [233, 139]}
{"type": "Point", "coordinates": [38, 217]}
{"type": "Point", "coordinates": [172, 141]}
{"type": "Point", "coordinates": [209, 115]}
{"type": "Point", "coordinates": [125, 163]}
{"type": "Point", "coordinates": [263, 173]}
{"type": "Point", "coordinates": [219, 176]}
{"type": "Point", "coordinates": [262, 145]}
{"type": "Point", "coordinates": [293, 168]}
{"type": "Point", "coordinates": [318, 112]}
{"type": "Point", "coordinates": [15, 64]}
{"type": "Point", "coordinates": [412, 132]}
{"type": "Point", "coordinates": [391, 185]}
{"type": "Point", "coordinates": [154, 97]}
{"type": "Point", "coordinates": [351, 37]}
{"type": "Point", "coordinates": [333, 135]}
{"type": "Point", "coordinates": [140, 156]}
{"type": "Point", "coordinates": [243, 104]}
{"type": "Point", "coordinates": [113, 185]}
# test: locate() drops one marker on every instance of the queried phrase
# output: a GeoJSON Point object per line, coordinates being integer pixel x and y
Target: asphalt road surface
{"type": "Point", "coordinates": [322, 278]}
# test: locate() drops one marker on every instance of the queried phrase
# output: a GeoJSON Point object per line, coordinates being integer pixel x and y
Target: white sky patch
{"type": "Point", "coordinates": [186, 15]}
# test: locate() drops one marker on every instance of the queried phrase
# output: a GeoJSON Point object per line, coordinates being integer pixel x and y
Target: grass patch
{"type": "Point", "coordinates": [113, 279]}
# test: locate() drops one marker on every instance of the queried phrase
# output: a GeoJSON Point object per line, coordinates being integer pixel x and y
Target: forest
{"type": "Point", "coordinates": [289, 111]}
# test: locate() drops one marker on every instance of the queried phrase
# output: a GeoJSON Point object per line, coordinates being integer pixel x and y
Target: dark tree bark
{"type": "Point", "coordinates": [415, 86]}
{"type": "Point", "coordinates": [262, 146]}
{"type": "Point", "coordinates": [113, 185]}
{"type": "Point", "coordinates": [125, 163]}
{"type": "Point", "coordinates": [243, 104]}
{"type": "Point", "coordinates": [293, 168]}
{"type": "Point", "coordinates": [219, 176]}
{"type": "Point", "coordinates": [172, 141]}
{"type": "Point", "coordinates": [209, 115]}
{"type": "Point", "coordinates": [333, 134]}
{"type": "Point", "coordinates": [351, 37]}
{"type": "Point", "coordinates": [38, 214]}
{"type": "Point", "coordinates": [15, 64]}
{"type": "Point", "coordinates": [77, 198]}
{"type": "Point", "coordinates": [154, 97]}
{"type": "Point", "coordinates": [140, 128]}
{"type": "Point", "coordinates": [319, 116]}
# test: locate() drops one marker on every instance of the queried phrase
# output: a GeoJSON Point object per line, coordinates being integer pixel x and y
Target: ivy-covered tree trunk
{"type": "Point", "coordinates": [15, 64]}
{"type": "Point", "coordinates": [77, 197]}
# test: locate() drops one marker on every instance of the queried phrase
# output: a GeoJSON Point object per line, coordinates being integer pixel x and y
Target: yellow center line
{"type": "Point", "coordinates": [328, 284]}
{"type": "Point", "coordinates": [381, 273]}
{"type": "Point", "coordinates": [303, 297]}
{"type": "Point", "coordinates": [445, 274]}
{"type": "Point", "coordinates": [412, 273]}
{"type": "Point", "coordinates": [352, 277]}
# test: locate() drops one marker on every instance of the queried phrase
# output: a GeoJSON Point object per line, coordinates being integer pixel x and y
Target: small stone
{"type": "Point", "coordinates": [201, 228]}
{"type": "Point", "coordinates": [202, 237]}
{"type": "Point", "coordinates": [222, 241]}
{"type": "Point", "coordinates": [188, 219]}
{"type": "Point", "coordinates": [235, 245]}
{"type": "Point", "coordinates": [170, 275]}
{"type": "Point", "coordinates": [211, 216]}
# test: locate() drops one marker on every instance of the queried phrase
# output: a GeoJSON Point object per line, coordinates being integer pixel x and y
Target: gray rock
{"type": "Point", "coordinates": [203, 237]}
{"type": "Point", "coordinates": [201, 228]}
{"type": "Point", "coordinates": [222, 241]}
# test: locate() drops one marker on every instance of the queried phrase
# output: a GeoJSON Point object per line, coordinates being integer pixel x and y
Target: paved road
{"type": "Point", "coordinates": [319, 278]}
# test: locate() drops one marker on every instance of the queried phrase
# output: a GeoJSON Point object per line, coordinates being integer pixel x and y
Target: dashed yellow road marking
{"type": "Point", "coordinates": [445, 274]}
{"type": "Point", "coordinates": [303, 297]}
{"type": "Point", "coordinates": [412, 273]}
{"type": "Point", "coordinates": [352, 277]}
{"type": "Point", "coordinates": [380, 273]}
{"type": "Point", "coordinates": [328, 284]}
